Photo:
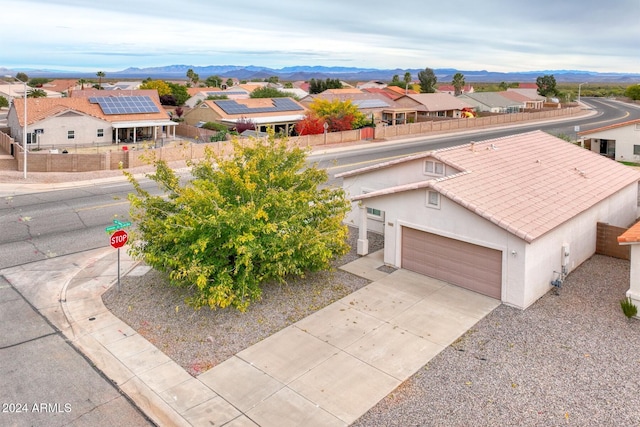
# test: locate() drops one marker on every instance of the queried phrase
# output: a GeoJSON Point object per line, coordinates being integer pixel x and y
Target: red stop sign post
{"type": "Point", "coordinates": [117, 240]}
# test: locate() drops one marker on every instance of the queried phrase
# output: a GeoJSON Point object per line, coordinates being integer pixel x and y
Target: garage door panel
{"type": "Point", "coordinates": [464, 264]}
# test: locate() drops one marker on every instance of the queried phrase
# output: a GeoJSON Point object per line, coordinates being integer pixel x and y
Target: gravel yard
{"type": "Point", "coordinates": [200, 339]}
{"type": "Point", "coordinates": [569, 359]}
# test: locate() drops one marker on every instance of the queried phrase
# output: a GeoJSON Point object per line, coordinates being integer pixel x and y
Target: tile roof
{"type": "Point", "coordinates": [349, 90]}
{"type": "Point", "coordinates": [196, 90]}
{"type": "Point", "coordinates": [41, 108]}
{"type": "Point", "coordinates": [514, 96]}
{"type": "Point", "coordinates": [400, 90]}
{"type": "Point", "coordinates": [439, 101]}
{"type": "Point", "coordinates": [356, 98]}
{"type": "Point", "coordinates": [527, 184]}
{"type": "Point", "coordinates": [388, 94]}
{"type": "Point", "coordinates": [614, 126]}
{"type": "Point", "coordinates": [89, 93]}
{"type": "Point", "coordinates": [252, 103]}
{"type": "Point", "coordinates": [632, 235]}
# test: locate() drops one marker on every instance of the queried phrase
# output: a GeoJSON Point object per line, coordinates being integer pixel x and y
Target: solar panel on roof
{"type": "Point", "coordinates": [370, 103]}
{"type": "Point", "coordinates": [230, 106]}
{"type": "Point", "coordinates": [125, 104]}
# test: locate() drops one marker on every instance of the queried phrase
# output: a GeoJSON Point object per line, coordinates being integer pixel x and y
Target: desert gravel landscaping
{"type": "Point", "coordinates": [569, 359]}
{"type": "Point", "coordinates": [572, 358]}
{"type": "Point", "coordinates": [200, 339]}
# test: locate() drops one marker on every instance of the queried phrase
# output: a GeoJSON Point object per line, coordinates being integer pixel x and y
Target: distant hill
{"type": "Point", "coordinates": [178, 72]}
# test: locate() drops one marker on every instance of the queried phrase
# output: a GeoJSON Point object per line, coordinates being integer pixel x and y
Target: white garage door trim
{"type": "Point", "coordinates": [468, 265]}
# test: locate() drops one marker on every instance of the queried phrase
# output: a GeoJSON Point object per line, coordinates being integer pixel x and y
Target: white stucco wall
{"type": "Point", "coordinates": [528, 269]}
{"type": "Point", "coordinates": [408, 209]}
{"type": "Point", "coordinates": [409, 172]}
{"type": "Point", "coordinates": [544, 255]}
{"type": "Point", "coordinates": [625, 137]}
{"type": "Point", "coordinates": [634, 277]}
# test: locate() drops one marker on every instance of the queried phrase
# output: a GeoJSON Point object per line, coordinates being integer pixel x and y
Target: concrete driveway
{"type": "Point", "coordinates": [325, 370]}
{"type": "Point", "coordinates": [331, 367]}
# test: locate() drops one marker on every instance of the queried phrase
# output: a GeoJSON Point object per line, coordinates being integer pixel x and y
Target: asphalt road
{"type": "Point", "coordinates": [50, 224]}
{"type": "Point", "coordinates": [608, 112]}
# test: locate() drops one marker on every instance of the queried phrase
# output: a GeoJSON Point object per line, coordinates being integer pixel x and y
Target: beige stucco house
{"type": "Point", "coordinates": [105, 117]}
{"type": "Point", "coordinates": [281, 114]}
{"type": "Point", "coordinates": [428, 105]}
{"type": "Point", "coordinates": [503, 217]}
{"type": "Point", "coordinates": [620, 141]}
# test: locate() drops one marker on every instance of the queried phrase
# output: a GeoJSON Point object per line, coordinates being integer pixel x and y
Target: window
{"type": "Point", "coordinates": [374, 213]}
{"type": "Point", "coordinates": [71, 134]}
{"type": "Point", "coordinates": [636, 150]}
{"type": "Point", "coordinates": [433, 199]}
{"type": "Point", "coordinates": [100, 133]}
{"type": "Point", "coordinates": [31, 138]}
{"type": "Point", "coordinates": [433, 168]}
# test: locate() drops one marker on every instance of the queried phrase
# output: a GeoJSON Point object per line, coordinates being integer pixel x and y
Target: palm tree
{"type": "Point", "coordinates": [36, 93]}
{"type": "Point", "coordinates": [407, 81]}
{"type": "Point", "coordinates": [100, 75]}
{"type": "Point", "coordinates": [82, 83]}
{"type": "Point", "coordinates": [458, 83]}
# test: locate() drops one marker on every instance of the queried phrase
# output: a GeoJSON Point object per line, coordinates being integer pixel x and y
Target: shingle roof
{"type": "Point", "coordinates": [491, 99]}
{"type": "Point", "coordinates": [527, 184]}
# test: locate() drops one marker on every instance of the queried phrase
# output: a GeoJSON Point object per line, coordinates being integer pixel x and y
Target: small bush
{"type": "Point", "coordinates": [628, 307]}
{"type": "Point", "coordinates": [214, 126]}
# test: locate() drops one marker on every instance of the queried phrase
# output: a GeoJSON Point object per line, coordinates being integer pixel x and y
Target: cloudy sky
{"type": "Point", "coordinates": [495, 35]}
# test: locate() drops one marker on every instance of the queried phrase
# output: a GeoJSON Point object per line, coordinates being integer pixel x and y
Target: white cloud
{"type": "Point", "coordinates": [497, 35]}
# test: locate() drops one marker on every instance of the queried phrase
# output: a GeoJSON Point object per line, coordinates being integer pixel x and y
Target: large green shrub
{"type": "Point", "coordinates": [259, 215]}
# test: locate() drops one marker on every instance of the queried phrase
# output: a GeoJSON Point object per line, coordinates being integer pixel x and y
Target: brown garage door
{"type": "Point", "coordinates": [470, 266]}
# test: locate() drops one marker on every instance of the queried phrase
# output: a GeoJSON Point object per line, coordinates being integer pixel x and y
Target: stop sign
{"type": "Point", "coordinates": [118, 239]}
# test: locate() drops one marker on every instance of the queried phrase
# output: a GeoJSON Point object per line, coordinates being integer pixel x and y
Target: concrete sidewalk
{"type": "Point", "coordinates": [47, 381]}
{"type": "Point", "coordinates": [326, 370]}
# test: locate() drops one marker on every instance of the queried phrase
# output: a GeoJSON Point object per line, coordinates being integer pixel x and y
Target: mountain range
{"type": "Point", "coordinates": [296, 73]}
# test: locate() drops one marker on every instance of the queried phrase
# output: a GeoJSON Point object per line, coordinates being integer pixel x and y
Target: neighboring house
{"type": "Point", "coordinates": [531, 93]}
{"type": "Point", "coordinates": [122, 85]}
{"type": "Point", "coordinates": [195, 90]}
{"type": "Point", "coordinates": [63, 86]}
{"type": "Point", "coordinates": [93, 120]}
{"type": "Point", "coordinates": [430, 105]}
{"type": "Point", "coordinates": [380, 108]}
{"type": "Point", "coordinates": [294, 91]}
{"type": "Point", "coordinates": [302, 85]}
{"type": "Point", "coordinates": [392, 92]}
{"type": "Point", "coordinates": [371, 84]}
{"type": "Point", "coordinates": [451, 90]}
{"type": "Point", "coordinates": [491, 102]}
{"type": "Point", "coordinates": [620, 142]}
{"type": "Point", "coordinates": [389, 94]}
{"type": "Point", "coordinates": [202, 94]}
{"type": "Point", "coordinates": [16, 90]}
{"type": "Point", "coordinates": [525, 102]}
{"type": "Point", "coordinates": [281, 114]}
{"type": "Point", "coordinates": [503, 217]}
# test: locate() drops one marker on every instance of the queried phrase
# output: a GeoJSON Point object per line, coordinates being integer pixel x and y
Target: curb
{"type": "Point", "coordinates": [93, 339]}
